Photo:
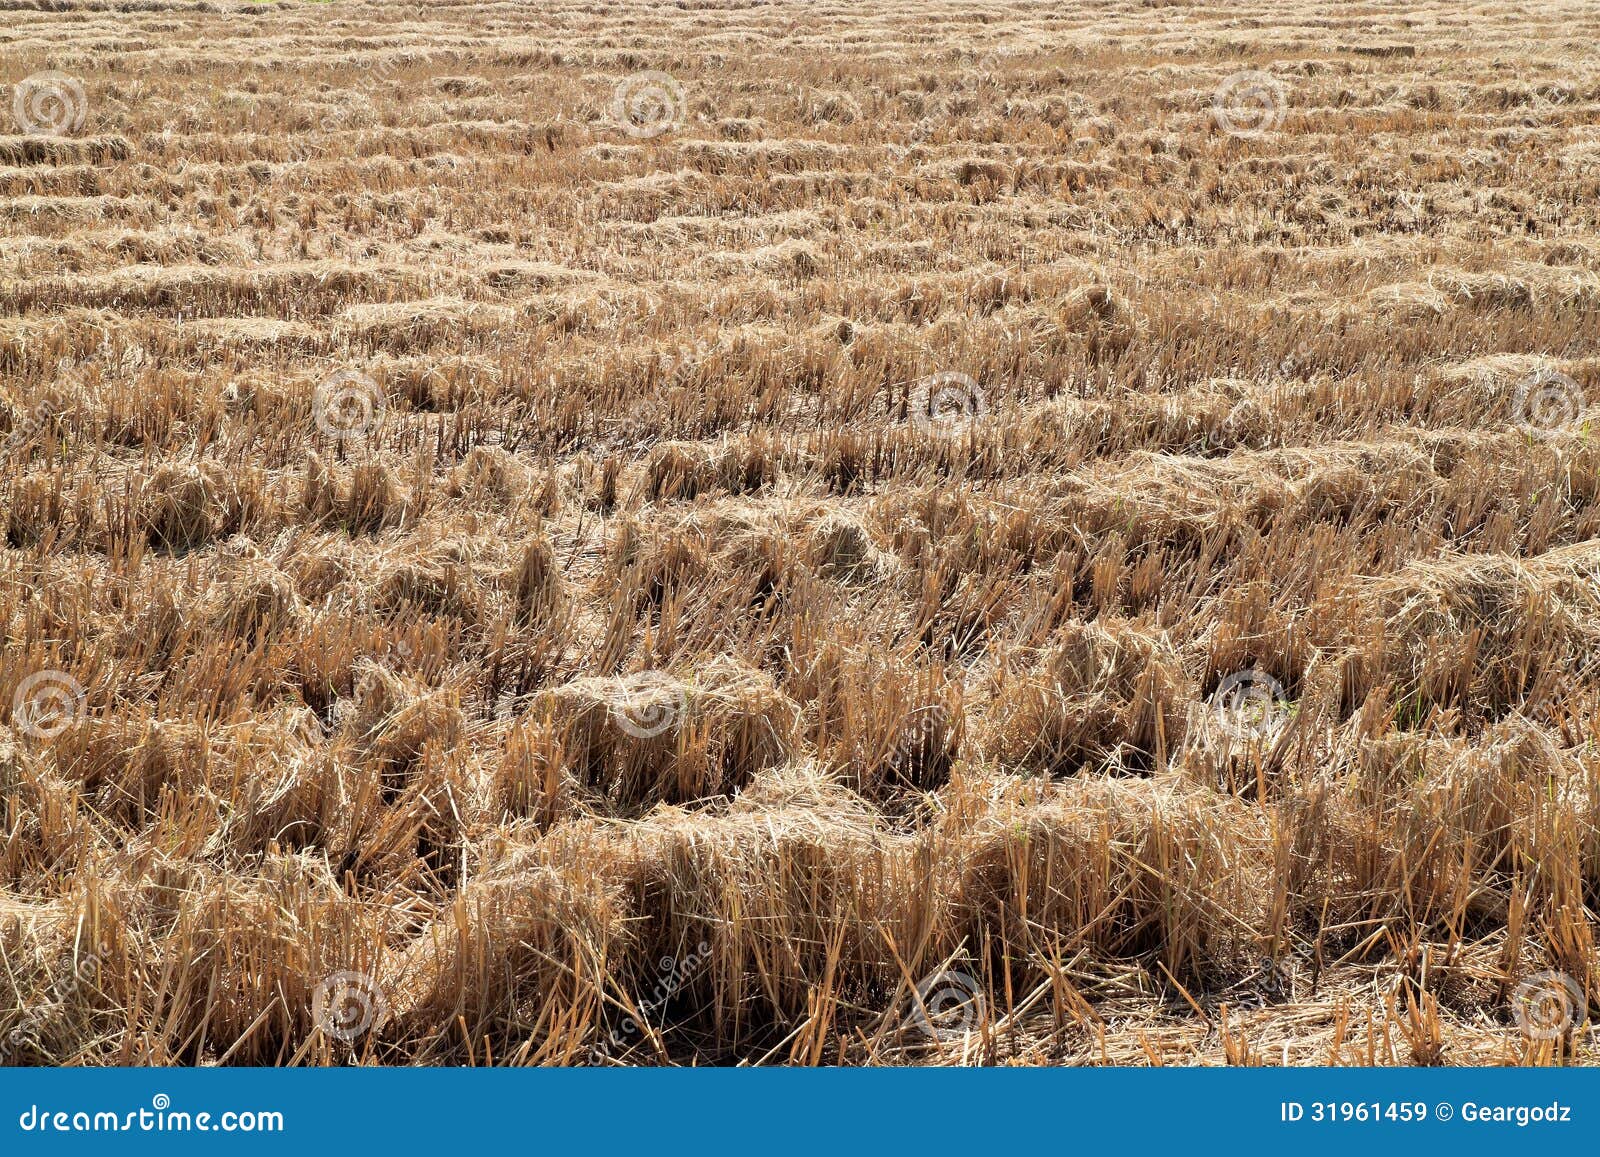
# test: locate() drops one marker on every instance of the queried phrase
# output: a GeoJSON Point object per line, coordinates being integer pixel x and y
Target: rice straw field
{"type": "Point", "coordinates": [717, 532]}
